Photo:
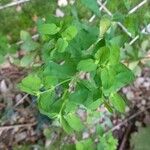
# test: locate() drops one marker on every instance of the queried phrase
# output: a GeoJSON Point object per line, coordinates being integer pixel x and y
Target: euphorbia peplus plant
{"type": "Point", "coordinates": [80, 67]}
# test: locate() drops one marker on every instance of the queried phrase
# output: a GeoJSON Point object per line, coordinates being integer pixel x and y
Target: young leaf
{"type": "Point", "coordinates": [61, 45]}
{"type": "Point", "coordinates": [94, 105]}
{"type": "Point", "coordinates": [102, 55]}
{"type": "Point", "coordinates": [65, 125]}
{"type": "Point", "coordinates": [107, 78]}
{"type": "Point", "coordinates": [49, 81]}
{"type": "Point", "coordinates": [30, 84]}
{"type": "Point", "coordinates": [114, 55]}
{"type": "Point", "coordinates": [118, 102]}
{"type": "Point", "coordinates": [86, 65]}
{"type": "Point", "coordinates": [105, 23]}
{"type": "Point", "coordinates": [69, 33]}
{"type": "Point", "coordinates": [74, 122]}
{"type": "Point", "coordinates": [49, 29]}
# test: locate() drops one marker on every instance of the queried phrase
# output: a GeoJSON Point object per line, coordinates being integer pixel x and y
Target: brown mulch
{"type": "Point", "coordinates": [18, 115]}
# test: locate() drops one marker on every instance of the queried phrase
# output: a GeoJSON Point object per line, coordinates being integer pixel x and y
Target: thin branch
{"type": "Point", "coordinates": [21, 100]}
{"type": "Point", "coordinates": [137, 7]}
{"type": "Point", "coordinates": [13, 4]}
{"type": "Point", "coordinates": [17, 126]}
{"type": "Point", "coordinates": [125, 137]}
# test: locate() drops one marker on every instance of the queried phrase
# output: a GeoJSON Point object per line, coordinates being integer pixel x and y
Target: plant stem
{"type": "Point", "coordinates": [49, 90]}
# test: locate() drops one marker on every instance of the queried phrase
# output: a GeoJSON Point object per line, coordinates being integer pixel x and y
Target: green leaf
{"type": "Point", "coordinates": [115, 77]}
{"type": "Point", "coordinates": [61, 45]}
{"type": "Point", "coordinates": [71, 106]}
{"type": "Point", "coordinates": [80, 96]}
{"type": "Point", "coordinates": [49, 81]}
{"type": "Point", "coordinates": [80, 43]}
{"type": "Point", "coordinates": [92, 5]}
{"type": "Point", "coordinates": [30, 84]}
{"type": "Point", "coordinates": [107, 142]}
{"type": "Point", "coordinates": [94, 105]}
{"type": "Point", "coordinates": [118, 102]}
{"type": "Point", "coordinates": [114, 54]}
{"type": "Point", "coordinates": [107, 78]}
{"type": "Point", "coordinates": [86, 65]}
{"type": "Point", "coordinates": [29, 45]}
{"type": "Point", "coordinates": [102, 55]}
{"type": "Point", "coordinates": [69, 33]}
{"type": "Point", "coordinates": [60, 71]}
{"type": "Point", "coordinates": [25, 36]}
{"type": "Point", "coordinates": [85, 145]}
{"type": "Point", "coordinates": [65, 125]}
{"type": "Point", "coordinates": [26, 61]}
{"type": "Point", "coordinates": [45, 102]}
{"type": "Point", "coordinates": [124, 75]}
{"type": "Point", "coordinates": [49, 29]}
{"type": "Point", "coordinates": [89, 84]}
{"type": "Point", "coordinates": [105, 23]}
{"type": "Point", "coordinates": [74, 122]}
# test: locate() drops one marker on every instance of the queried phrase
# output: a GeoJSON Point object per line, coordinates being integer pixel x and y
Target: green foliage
{"type": "Point", "coordinates": [74, 122]}
{"type": "Point", "coordinates": [76, 64]}
{"type": "Point", "coordinates": [31, 84]}
{"type": "Point", "coordinates": [107, 142]}
{"type": "Point", "coordinates": [85, 145]}
{"type": "Point", "coordinates": [105, 23]}
{"type": "Point", "coordinates": [79, 67]}
{"type": "Point", "coordinates": [118, 102]}
{"type": "Point", "coordinates": [62, 70]}
{"type": "Point", "coordinates": [141, 140]}
{"type": "Point", "coordinates": [87, 65]}
{"type": "Point", "coordinates": [69, 33]}
{"type": "Point", "coordinates": [61, 45]}
{"type": "Point", "coordinates": [49, 29]}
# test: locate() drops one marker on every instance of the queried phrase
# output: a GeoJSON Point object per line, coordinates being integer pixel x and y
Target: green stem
{"type": "Point", "coordinates": [49, 90]}
{"type": "Point", "coordinates": [65, 100]}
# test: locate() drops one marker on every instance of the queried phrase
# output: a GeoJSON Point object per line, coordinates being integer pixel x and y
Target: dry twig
{"type": "Point", "coordinates": [21, 100]}
{"type": "Point", "coordinates": [127, 120]}
{"type": "Point", "coordinates": [5, 128]}
{"type": "Point", "coordinates": [13, 4]}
